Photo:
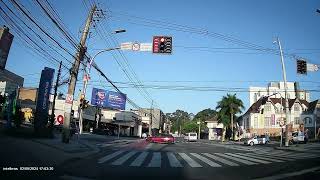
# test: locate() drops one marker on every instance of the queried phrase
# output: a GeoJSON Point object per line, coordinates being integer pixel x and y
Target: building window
{"type": "Point", "coordinates": [267, 107]}
{"type": "Point", "coordinates": [296, 120]}
{"type": "Point", "coordinates": [310, 121]}
{"type": "Point", "coordinates": [267, 121]}
{"type": "Point", "coordinates": [296, 107]}
{"type": "Point", "coordinates": [255, 122]}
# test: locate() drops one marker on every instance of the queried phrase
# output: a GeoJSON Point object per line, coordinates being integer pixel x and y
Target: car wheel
{"type": "Point", "coordinates": [251, 143]}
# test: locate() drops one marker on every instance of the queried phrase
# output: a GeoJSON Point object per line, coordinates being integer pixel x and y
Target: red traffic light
{"type": "Point", "coordinates": [162, 44]}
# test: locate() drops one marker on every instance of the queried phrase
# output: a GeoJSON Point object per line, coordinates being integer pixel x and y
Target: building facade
{"type": "Point", "coordinates": [311, 118]}
{"type": "Point", "coordinates": [267, 119]}
{"type": "Point", "coordinates": [157, 120]}
{"type": "Point", "coordinates": [294, 91]}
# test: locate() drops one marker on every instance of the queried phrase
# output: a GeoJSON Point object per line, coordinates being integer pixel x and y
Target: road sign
{"type": "Point", "coordinates": [126, 46]}
{"type": "Point", "coordinates": [136, 46]}
{"type": "Point", "coordinates": [312, 67]}
{"type": "Point", "coordinates": [162, 44]}
{"type": "Point", "coordinates": [281, 123]}
{"type": "Point", "coordinates": [69, 98]}
{"type": "Point", "coordinates": [60, 119]}
{"type": "Point", "coordinates": [145, 46]}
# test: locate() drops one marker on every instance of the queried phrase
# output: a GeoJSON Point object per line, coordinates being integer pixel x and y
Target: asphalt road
{"type": "Point", "coordinates": [138, 159]}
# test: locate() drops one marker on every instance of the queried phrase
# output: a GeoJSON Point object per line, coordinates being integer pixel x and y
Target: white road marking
{"type": "Point", "coordinates": [124, 158]}
{"type": "Point", "coordinates": [251, 159]}
{"type": "Point", "coordinates": [190, 161]}
{"type": "Point", "coordinates": [224, 161]}
{"type": "Point", "coordinates": [139, 160]}
{"type": "Point", "coordinates": [236, 159]}
{"type": "Point", "coordinates": [110, 156]}
{"type": "Point", "coordinates": [206, 160]}
{"type": "Point", "coordinates": [292, 174]}
{"type": "Point", "coordinates": [263, 158]}
{"type": "Point", "coordinates": [173, 160]}
{"type": "Point", "coordinates": [156, 160]}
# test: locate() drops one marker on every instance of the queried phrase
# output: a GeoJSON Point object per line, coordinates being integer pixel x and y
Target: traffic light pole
{"type": "Point", "coordinates": [286, 93]}
{"type": "Point", "coordinates": [73, 78]}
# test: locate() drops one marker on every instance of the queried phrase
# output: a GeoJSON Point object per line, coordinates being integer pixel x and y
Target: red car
{"type": "Point", "coordinates": [161, 138]}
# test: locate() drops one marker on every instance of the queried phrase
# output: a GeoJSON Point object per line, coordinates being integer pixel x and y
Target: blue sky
{"type": "Point", "coordinates": [217, 63]}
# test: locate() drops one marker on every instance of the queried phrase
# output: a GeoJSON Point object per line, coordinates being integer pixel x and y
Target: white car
{"type": "Point", "coordinates": [191, 137]}
{"type": "Point", "coordinates": [255, 140]}
{"type": "Point", "coordinates": [298, 137]}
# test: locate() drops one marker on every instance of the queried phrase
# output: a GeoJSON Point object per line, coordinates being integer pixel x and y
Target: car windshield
{"type": "Point", "coordinates": [193, 134]}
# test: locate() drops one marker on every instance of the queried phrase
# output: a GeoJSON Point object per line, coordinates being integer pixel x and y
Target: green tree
{"type": "Point", "coordinates": [178, 118]}
{"type": "Point", "coordinates": [227, 108]}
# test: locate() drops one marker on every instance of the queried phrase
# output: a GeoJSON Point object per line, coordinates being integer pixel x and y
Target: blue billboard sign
{"type": "Point", "coordinates": [42, 108]}
{"type": "Point", "coordinates": [108, 99]}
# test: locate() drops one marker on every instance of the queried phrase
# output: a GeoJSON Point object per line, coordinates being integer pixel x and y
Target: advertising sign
{"type": "Point", "coordinates": [110, 99]}
{"type": "Point", "coordinates": [41, 117]}
{"type": "Point", "coordinates": [5, 43]}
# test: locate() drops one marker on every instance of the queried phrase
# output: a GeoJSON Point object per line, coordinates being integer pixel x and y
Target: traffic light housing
{"type": "Point", "coordinates": [301, 66]}
{"type": "Point", "coordinates": [162, 44]}
{"type": "Point", "coordinates": [83, 102]}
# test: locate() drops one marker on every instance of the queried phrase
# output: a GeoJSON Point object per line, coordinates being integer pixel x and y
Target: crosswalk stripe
{"type": "Point", "coordinates": [190, 161]}
{"type": "Point", "coordinates": [156, 160]}
{"type": "Point", "coordinates": [173, 160]}
{"type": "Point", "coordinates": [206, 160]}
{"type": "Point", "coordinates": [236, 159]}
{"type": "Point", "coordinates": [139, 160]}
{"type": "Point", "coordinates": [263, 158]}
{"type": "Point", "coordinates": [274, 152]}
{"type": "Point", "coordinates": [272, 156]}
{"type": "Point", "coordinates": [251, 159]}
{"type": "Point", "coordinates": [110, 156]}
{"type": "Point", "coordinates": [124, 158]}
{"type": "Point", "coordinates": [224, 161]}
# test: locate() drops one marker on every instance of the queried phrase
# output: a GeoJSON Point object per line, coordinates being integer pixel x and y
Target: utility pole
{"type": "Point", "coordinates": [151, 114]}
{"type": "Point", "coordinates": [73, 77]}
{"type": "Point", "coordinates": [285, 92]}
{"type": "Point", "coordinates": [54, 98]}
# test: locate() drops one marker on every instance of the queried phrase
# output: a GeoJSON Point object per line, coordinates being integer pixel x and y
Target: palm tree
{"type": "Point", "coordinates": [228, 107]}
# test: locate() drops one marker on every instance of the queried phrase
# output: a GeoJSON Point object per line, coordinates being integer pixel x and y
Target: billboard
{"type": "Point", "coordinates": [109, 99]}
{"type": "Point", "coordinates": [5, 43]}
{"type": "Point", "coordinates": [42, 108]}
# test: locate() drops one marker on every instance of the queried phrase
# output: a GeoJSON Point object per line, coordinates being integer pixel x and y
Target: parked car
{"type": "Point", "coordinates": [256, 140]}
{"type": "Point", "coordinates": [191, 137]}
{"type": "Point", "coordinates": [298, 137]}
{"type": "Point", "coordinates": [161, 138]}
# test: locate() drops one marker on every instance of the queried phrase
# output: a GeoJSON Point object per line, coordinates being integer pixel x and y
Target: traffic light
{"type": "Point", "coordinates": [83, 102]}
{"type": "Point", "coordinates": [162, 44]}
{"type": "Point", "coordinates": [301, 67]}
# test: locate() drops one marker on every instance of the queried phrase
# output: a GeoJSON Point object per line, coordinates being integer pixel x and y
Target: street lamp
{"type": "Point", "coordinates": [285, 92]}
{"type": "Point", "coordinates": [86, 75]}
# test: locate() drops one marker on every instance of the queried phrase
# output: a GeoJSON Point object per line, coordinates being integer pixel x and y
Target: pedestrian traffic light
{"type": "Point", "coordinates": [162, 44]}
{"type": "Point", "coordinates": [301, 66]}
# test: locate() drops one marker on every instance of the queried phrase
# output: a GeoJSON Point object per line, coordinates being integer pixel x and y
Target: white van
{"type": "Point", "coordinates": [191, 137]}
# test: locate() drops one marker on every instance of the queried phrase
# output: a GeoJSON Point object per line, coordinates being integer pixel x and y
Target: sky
{"type": "Point", "coordinates": [203, 55]}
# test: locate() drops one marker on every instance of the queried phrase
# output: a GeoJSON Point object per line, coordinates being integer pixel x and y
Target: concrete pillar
{"type": "Point", "coordinates": [138, 130]}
